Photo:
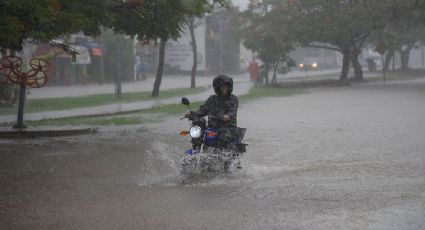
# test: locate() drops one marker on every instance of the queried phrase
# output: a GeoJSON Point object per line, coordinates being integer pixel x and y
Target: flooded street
{"type": "Point", "coordinates": [328, 158]}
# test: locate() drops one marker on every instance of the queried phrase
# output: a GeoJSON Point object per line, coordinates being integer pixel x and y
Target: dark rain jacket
{"type": "Point", "coordinates": [217, 106]}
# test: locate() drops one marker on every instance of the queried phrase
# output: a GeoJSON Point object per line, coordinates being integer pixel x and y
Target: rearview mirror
{"type": "Point", "coordinates": [185, 101]}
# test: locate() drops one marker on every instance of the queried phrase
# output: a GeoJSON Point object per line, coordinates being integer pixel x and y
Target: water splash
{"type": "Point", "coordinates": [161, 166]}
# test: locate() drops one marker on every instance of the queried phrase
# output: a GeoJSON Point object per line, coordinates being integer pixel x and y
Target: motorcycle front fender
{"type": "Point", "coordinates": [197, 143]}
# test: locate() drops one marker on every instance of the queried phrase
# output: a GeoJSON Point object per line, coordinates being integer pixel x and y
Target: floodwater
{"type": "Point", "coordinates": [330, 158]}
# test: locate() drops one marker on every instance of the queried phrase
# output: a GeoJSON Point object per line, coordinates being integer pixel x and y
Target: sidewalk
{"type": "Point", "coordinates": [168, 82]}
{"type": "Point", "coordinates": [242, 86]}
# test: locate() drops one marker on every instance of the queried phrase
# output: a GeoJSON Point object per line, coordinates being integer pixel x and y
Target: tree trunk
{"type": "Point", "coordinates": [388, 57]}
{"type": "Point", "coordinates": [345, 65]}
{"type": "Point", "coordinates": [194, 51]}
{"type": "Point", "coordinates": [158, 78]}
{"type": "Point", "coordinates": [118, 75]}
{"type": "Point", "coordinates": [393, 61]}
{"type": "Point", "coordinates": [358, 70]}
{"type": "Point", "coordinates": [405, 56]}
{"type": "Point", "coordinates": [266, 70]}
{"type": "Point", "coordinates": [274, 79]}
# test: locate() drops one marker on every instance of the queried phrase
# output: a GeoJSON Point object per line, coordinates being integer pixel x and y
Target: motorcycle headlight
{"type": "Point", "coordinates": [195, 132]}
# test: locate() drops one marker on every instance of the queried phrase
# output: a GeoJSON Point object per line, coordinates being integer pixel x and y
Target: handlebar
{"type": "Point", "coordinates": [194, 116]}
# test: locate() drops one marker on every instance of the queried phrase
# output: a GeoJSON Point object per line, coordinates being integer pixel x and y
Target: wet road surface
{"type": "Point", "coordinates": [330, 158]}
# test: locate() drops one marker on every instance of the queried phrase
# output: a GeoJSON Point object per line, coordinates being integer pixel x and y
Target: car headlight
{"type": "Point", "coordinates": [195, 132]}
{"type": "Point", "coordinates": [314, 65]}
{"type": "Point", "coordinates": [301, 65]}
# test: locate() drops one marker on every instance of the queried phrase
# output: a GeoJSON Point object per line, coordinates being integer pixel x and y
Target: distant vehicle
{"type": "Point", "coordinates": [309, 64]}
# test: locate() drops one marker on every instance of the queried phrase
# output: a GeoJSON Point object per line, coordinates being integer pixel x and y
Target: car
{"type": "Point", "coordinates": [308, 64]}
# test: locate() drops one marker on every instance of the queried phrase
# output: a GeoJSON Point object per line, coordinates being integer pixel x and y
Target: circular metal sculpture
{"type": "Point", "coordinates": [36, 77]}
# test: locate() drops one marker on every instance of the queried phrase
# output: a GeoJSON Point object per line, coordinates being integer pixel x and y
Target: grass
{"type": "Point", "coordinates": [97, 121]}
{"type": "Point", "coordinates": [395, 75]}
{"type": "Point", "coordinates": [156, 114]}
{"type": "Point", "coordinates": [152, 115]}
{"type": "Point", "coordinates": [55, 104]}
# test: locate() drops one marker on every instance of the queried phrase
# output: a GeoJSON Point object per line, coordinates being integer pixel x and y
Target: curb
{"type": "Point", "coordinates": [313, 83]}
{"type": "Point", "coordinates": [19, 133]}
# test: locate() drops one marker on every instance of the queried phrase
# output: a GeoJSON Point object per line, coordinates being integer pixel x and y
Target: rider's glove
{"type": "Point", "coordinates": [226, 117]}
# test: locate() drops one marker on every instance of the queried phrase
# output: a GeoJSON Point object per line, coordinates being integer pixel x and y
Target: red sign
{"type": "Point", "coordinates": [97, 51]}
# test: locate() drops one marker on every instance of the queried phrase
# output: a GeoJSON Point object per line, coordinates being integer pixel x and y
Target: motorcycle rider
{"type": "Point", "coordinates": [221, 109]}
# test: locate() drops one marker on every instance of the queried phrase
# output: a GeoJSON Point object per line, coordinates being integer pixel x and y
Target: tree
{"type": "Point", "coordinates": [271, 41]}
{"type": "Point", "coordinates": [404, 27]}
{"type": "Point", "coordinates": [197, 10]}
{"type": "Point", "coordinates": [191, 26]}
{"type": "Point", "coordinates": [45, 20]}
{"type": "Point", "coordinates": [159, 21]}
{"type": "Point", "coordinates": [343, 26]}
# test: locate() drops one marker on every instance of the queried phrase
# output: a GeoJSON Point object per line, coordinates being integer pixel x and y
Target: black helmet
{"type": "Point", "coordinates": [220, 80]}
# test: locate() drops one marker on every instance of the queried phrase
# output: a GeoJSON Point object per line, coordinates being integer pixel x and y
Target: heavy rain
{"type": "Point", "coordinates": [94, 133]}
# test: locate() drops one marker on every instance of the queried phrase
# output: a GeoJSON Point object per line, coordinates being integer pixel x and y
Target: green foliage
{"type": "Point", "coordinates": [160, 19]}
{"type": "Point", "coordinates": [44, 20]}
{"type": "Point", "coordinates": [267, 32]}
{"type": "Point", "coordinates": [19, 20]}
{"type": "Point", "coordinates": [155, 19]}
{"type": "Point", "coordinates": [404, 26]}
{"type": "Point", "coordinates": [340, 23]}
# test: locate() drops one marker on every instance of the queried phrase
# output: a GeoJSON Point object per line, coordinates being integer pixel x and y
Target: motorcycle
{"type": "Point", "coordinates": [207, 154]}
